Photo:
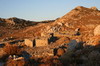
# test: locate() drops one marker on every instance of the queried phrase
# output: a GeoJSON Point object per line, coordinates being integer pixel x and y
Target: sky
{"type": "Point", "coordinates": [38, 10]}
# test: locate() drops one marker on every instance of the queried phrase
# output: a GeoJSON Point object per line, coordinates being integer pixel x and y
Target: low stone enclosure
{"type": "Point", "coordinates": [41, 41]}
{"type": "Point", "coordinates": [30, 43]}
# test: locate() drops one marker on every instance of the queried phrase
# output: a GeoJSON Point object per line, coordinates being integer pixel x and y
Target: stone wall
{"type": "Point", "coordinates": [29, 42]}
{"type": "Point", "coordinates": [41, 42]}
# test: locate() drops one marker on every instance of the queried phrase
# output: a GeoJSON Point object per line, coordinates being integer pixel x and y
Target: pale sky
{"type": "Point", "coordinates": [38, 10]}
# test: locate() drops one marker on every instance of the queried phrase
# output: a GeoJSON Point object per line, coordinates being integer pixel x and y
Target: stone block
{"type": "Point", "coordinates": [41, 42]}
{"type": "Point", "coordinates": [29, 43]}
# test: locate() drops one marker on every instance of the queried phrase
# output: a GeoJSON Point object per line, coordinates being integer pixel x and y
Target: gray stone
{"type": "Point", "coordinates": [72, 45]}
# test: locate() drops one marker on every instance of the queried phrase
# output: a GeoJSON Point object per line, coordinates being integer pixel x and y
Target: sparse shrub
{"type": "Point", "coordinates": [12, 49]}
{"type": "Point", "coordinates": [16, 63]}
{"type": "Point", "coordinates": [50, 61]}
{"type": "Point", "coordinates": [2, 55]}
{"type": "Point", "coordinates": [32, 61]}
{"type": "Point", "coordinates": [93, 59]}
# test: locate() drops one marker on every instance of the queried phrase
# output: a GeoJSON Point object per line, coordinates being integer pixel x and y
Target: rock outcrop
{"type": "Point", "coordinates": [16, 23]}
{"type": "Point", "coordinates": [97, 30]}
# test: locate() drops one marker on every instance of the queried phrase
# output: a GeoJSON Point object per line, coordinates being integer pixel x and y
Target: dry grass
{"type": "Point", "coordinates": [12, 49]}
{"type": "Point", "coordinates": [15, 63]}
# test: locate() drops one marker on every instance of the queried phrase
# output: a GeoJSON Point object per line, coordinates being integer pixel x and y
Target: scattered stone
{"type": "Point", "coordinates": [95, 40]}
{"type": "Point", "coordinates": [19, 58]}
{"type": "Point", "coordinates": [67, 25]}
{"type": "Point", "coordinates": [77, 29]}
{"type": "Point", "coordinates": [10, 57]}
{"type": "Point", "coordinates": [59, 23]}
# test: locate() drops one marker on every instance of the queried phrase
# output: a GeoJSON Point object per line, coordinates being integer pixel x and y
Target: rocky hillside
{"type": "Point", "coordinates": [16, 22]}
{"type": "Point", "coordinates": [11, 26]}
{"type": "Point", "coordinates": [80, 19]}
{"type": "Point", "coordinates": [85, 19]}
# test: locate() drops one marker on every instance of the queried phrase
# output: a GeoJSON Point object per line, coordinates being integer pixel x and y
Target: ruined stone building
{"type": "Point", "coordinates": [41, 42]}
{"type": "Point", "coordinates": [30, 43]}
{"type": "Point", "coordinates": [36, 42]}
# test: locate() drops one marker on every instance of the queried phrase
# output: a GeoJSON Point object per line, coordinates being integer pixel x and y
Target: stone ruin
{"type": "Point", "coordinates": [36, 42]}
{"type": "Point", "coordinates": [30, 43]}
{"type": "Point", "coordinates": [41, 42]}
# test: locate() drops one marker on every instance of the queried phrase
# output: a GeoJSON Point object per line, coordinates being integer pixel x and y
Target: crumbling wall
{"type": "Point", "coordinates": [41, 42]}
{"type": "Point", "coordinates": [29, 43]}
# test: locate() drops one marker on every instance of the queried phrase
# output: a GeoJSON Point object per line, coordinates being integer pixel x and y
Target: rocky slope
{"type": "Point", "coordinates": [11, 26]}
{"type": "Point", "coordinates": [16, 23]}
{"type": "Point", "coordinates": [80, 18]}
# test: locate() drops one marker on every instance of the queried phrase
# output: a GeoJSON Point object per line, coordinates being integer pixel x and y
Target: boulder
{"type": "Point", "coordinates": [95, 40]}
{"type": "Point", "coordinates": [97, 30]}
{"type": "Point", "coordinates": [67, 25]}
{"type": "Point", "coordinates": [72, 45]}
{"type": "Point", "coordinates": [77, 29]}
{"type": "Point", "coordinates": [94, 8]}
{"type": "Point", "coordinates": [79, 7]}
